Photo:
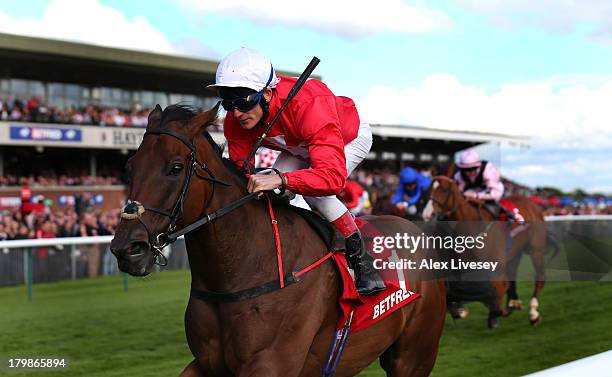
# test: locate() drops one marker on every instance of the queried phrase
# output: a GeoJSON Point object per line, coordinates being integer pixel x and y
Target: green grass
{"type": "Point", "coordinates": [105, 331]}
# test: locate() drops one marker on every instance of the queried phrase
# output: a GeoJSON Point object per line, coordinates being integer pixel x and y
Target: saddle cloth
{"type": "Point", "coordinates": [368, 309]}
{"type": "Point", "coordinates": [511, 207]}
{"type": "Point", "coordinates": [373, 308]}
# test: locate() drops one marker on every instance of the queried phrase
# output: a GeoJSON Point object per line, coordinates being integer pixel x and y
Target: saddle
{"type": "Point", "coordinates": [510, 212]}
{"type": "Point", "coordinates": [334, 241]}
{"type": "Point", "coordinates": [367, 310]}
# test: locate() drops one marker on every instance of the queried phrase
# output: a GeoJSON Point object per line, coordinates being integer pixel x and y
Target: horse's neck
{"type": "Point", "coordinates": [224, 253]}
{"type": "Point", "coordinates": [467, 211]}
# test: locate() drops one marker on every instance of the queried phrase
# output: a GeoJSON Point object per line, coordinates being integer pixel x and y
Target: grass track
{"type": "Point", "coordinates": [107, 332]}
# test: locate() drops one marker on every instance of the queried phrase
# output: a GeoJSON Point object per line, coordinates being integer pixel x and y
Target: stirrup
{"type": "Point", "coordinates": [370, 283]}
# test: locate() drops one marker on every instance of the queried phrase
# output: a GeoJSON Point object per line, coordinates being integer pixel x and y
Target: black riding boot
{"type": "Point", "coordinates": [367, 279]}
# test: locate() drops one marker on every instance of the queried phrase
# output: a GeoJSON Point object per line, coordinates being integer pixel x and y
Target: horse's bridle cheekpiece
{"type": "Point", "coordinates": [134, 210]}
{"type": "Point", "coordinates": [446, 212]}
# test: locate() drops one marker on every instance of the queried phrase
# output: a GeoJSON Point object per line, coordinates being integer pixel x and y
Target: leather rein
{"type": "Point", "coordinates": [134, 209]}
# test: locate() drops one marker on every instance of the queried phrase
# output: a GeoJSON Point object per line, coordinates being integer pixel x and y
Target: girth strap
{"type": "Point", "coordinates": [271, 286]}
{"type": "Point", "coordinates": [244, 294]}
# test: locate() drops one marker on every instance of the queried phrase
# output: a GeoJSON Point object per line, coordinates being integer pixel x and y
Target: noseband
{"type": "Point", "coordinates": [134, 210]}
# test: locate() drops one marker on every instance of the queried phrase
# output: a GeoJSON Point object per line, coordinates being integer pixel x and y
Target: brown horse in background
{"type": "Point", "coordinates": [449, 203]}
{"type": "Point", "coordinates": [287, 332]}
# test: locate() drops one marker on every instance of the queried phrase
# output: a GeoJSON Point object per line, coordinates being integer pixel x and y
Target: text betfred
{"type": "Point", "coordinates": [390, 301]}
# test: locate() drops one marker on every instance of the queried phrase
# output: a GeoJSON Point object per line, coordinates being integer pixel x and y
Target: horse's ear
{"type": "Point", "coordinates": [154, 116]}
{"type": "Point", "coordinates": [205, 118]}
{"type": "Point", "coordinates": [450, 171]}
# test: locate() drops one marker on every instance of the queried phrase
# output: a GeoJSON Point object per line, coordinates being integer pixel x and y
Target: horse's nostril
{"type": "Point", "coordinates": [137, 248]}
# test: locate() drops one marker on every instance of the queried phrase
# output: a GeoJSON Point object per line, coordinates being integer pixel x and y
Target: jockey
{"type": "Point", "coordinates": [479, 179]}
{"type": "Point", "coordinates": [410, 190]}
{"type": "Point", "coordinates": [354, 197]}
{"type": "Point", "coordinates": [319, 136]}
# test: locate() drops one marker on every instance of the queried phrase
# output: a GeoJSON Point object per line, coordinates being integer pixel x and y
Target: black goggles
{"type": "Point", "coordinates": [242, 104]}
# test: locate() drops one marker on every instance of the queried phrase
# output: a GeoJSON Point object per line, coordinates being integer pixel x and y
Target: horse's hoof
{"type": "Point", "coordinates": [535, 322]}
{"type": "Point", "coordinates": [457, 311]}
{"type": "Point", "coordinates": [493, 323]}
{"type": "Point", "coordinates": [515, 304]}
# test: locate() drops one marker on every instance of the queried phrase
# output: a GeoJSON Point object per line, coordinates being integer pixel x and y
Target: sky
{"type": "Point", "coordinates": [541, 69]}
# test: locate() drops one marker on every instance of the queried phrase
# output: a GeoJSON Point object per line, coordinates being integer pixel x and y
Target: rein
{"type": "Point", "coordinates": [134, 210]}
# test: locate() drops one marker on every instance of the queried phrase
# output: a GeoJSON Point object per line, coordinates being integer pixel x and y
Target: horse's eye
{"type": "Point", "coordinates": [176, 169]}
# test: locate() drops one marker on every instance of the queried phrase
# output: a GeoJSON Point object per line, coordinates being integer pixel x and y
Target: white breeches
{"type": "Point", "coordinates": [329, 206]}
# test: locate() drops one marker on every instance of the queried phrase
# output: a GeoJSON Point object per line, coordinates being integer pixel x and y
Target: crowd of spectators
{"type": "Point", "coordinates": [382, 182]}
{"type": "Point", "coordinates": [14, 225]}
{"type": "Point", "coordinates": [579, 208]}
{"type": "Point", "coordinates": [59, 180]}
{"type": "Point", "coordinates": [35, 110]}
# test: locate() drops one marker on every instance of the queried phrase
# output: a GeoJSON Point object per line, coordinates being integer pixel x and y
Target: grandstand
{"type": "Point", "coordinates": [71, 114]}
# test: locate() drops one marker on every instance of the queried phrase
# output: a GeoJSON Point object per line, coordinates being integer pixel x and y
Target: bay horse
{"type": "Point", "coordinates": [447, 202]}
{"type": "Point", "coordinates": [179, 176]}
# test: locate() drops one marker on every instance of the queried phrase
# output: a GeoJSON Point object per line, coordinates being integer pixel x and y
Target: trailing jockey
{"type": "Point", "coordinates": [319, 135]}
{"type": "Point", "coordinates": [480, 179]}
{"type": "Point", "coordinates": [354, 197]}
{"type": "Point", "coordinates": [412, 185]}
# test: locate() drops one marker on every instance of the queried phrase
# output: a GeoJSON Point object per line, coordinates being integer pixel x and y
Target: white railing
{"type": "Point", "coordinates": [26, 246]}
{"type": "Point", "coordinates": [592, 366]}
{"type": "Point", "coordinates": [40, 242]}
{"type": "Point", "coordinates": [578, 218]}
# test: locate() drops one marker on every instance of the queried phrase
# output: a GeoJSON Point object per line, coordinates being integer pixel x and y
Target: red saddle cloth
{"type": "Point", "coordinates": [371, 309]}
{"type": "Point", "coordinates": [511, 207]}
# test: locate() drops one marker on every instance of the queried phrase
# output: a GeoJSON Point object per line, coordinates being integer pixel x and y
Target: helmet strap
{"type": "Point", "coordinates": [265, 106]}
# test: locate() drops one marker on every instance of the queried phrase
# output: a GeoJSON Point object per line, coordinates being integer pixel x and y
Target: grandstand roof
{"type": "Point", "coordinates": [72, 62]}
{"type": "Point", "coordinates": [424, 133]}
{"type": "Point", "coordinates": [425, 145]}
{"type": "Point", "coordinates": [30, 45]}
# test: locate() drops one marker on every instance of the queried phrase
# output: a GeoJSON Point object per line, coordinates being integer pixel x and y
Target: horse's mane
{"type": "Point", "coordinates": [177, 112]}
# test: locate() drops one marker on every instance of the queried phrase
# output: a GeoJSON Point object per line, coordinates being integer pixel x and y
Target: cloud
{"type": "Point", "coordinates": [541, 166]}
{"type": "Point", "coordinates": [527, 170]}
{"type": "Point", "coordinates": [89, 21]}
{"type": "Point", "coordinates": [570, 123]}
{"type": "Point", "coordinates": [552, 15]}
{"type": "Point", "coordinates": [568, 117]}
{"type": "Point", "coordinates": [193, 47]}
{"type": "Point", "coordinates": [347, 18]}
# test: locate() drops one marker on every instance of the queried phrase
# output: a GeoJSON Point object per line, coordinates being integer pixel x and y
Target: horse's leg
{"type": "Point", "coordinates": [537, 257]}
{"type": "Point", "coordinates": [513, 302]}
{"type": "Point", "coordinates": [494, 302]}
{"type": "Point", "coordinates": [414, 352]}
{"type": "Point", "coordinates": [191, 370]}
{"type": "Point", "coordinates": [538, 249]}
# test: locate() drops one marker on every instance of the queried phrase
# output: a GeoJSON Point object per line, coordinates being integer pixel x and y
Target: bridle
{"type": "Point", "coordinates": [444, 205]}
{"type": "Point", "coordinates": [134, 209]}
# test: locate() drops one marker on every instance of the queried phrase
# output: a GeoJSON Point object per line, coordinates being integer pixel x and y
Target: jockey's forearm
{"type": "Point", "coordinates": [315, 182]}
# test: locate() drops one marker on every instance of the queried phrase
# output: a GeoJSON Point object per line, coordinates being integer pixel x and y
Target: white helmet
{"type": "Point", "coordinates": [245, 68]}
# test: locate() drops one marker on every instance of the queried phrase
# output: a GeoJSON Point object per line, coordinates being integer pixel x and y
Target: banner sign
{"type": "Point", "coordinates": [46, 134]}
